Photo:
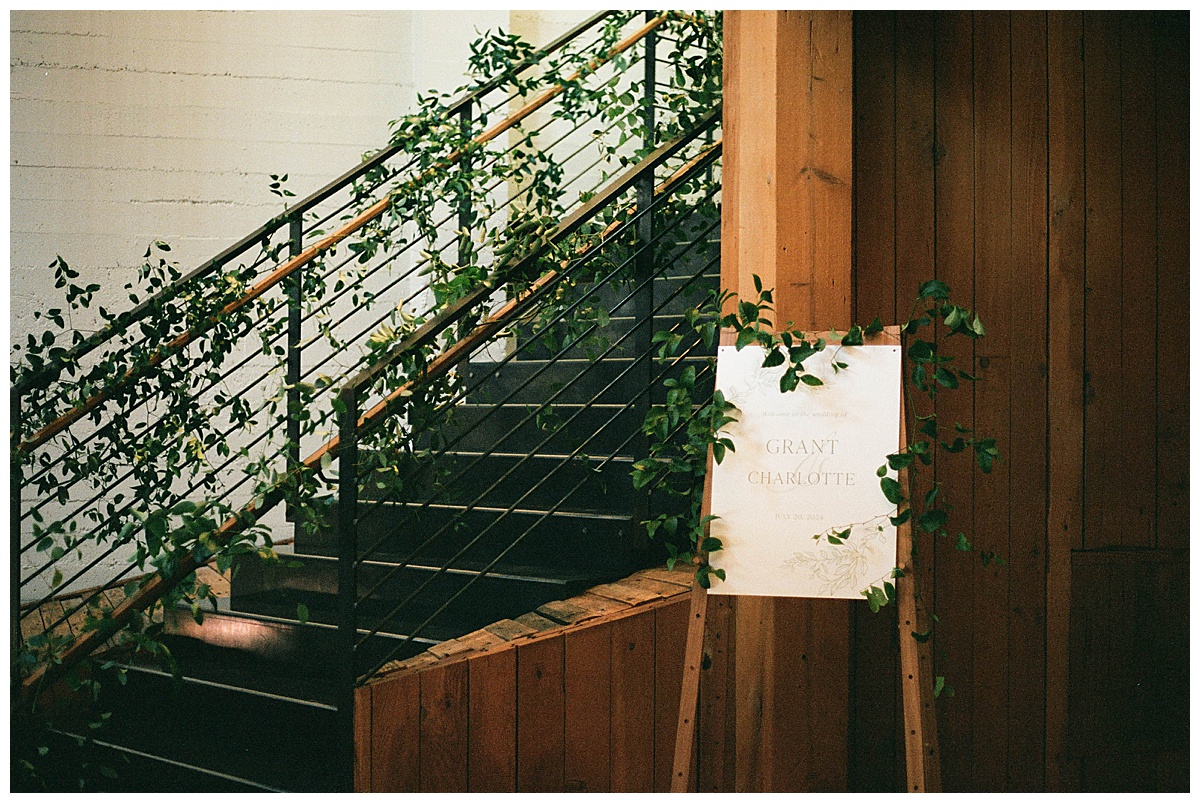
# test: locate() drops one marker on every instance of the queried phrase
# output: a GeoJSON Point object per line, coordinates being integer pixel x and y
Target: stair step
{"type": "Point", "coordinates": [274, 589]}
{"type": "Point", "coordinates": [609, 381]}
{"type": "Point", "coordinates": [559, 542]}
{"type": "Point", "coordinates": [541, 482]}
{"type": "Point", "coordinates": [236, 739]}
{"type": "Point", "coordinates": [599, 429]}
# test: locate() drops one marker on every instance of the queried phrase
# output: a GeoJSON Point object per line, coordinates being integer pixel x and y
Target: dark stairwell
{"type": "Point", "coordinates": [470, 466]}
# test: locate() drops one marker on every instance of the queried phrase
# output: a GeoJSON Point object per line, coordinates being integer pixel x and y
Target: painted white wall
{"type": "Point", "coordinates": [130, 126]}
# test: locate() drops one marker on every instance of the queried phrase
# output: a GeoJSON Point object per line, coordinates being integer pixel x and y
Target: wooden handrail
{"type": "Point", "coordinates": [312, 252]}
{"type": "Point", "coordinates": [511, 311]}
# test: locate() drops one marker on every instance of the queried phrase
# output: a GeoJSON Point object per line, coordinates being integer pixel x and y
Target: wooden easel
{"type": "Point", "coordinates": [922, 760]}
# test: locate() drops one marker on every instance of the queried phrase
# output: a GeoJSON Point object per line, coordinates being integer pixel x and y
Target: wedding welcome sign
{"type": "Point", "coordinates": [805, 465]}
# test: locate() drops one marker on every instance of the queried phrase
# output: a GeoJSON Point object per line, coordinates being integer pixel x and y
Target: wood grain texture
{"type": "Point", "coordinates": [1136, 467]}
{"type": "Point", "coordinates": [395, 730]}
{"type": "Point", "coordinates": [632, 729]}
{"type": "Point", "coordinates": [588, 683]}
{"type": "Point", "coordinates": [954, 221]}
{"type": "Point", "coordinates": [875, 167]}
{"type": "Point", "coordinates": [444, 707]}
{"type": "Point", "coordinates": [716, 722]}
{"type": "Point", "coordinates": [670, 640]}
{"type": "Point", "coordinates": [1065, 341]}
{"type": "Point", "coordinates": [1172, 84]}
{"type": "Point", "coordinates": [1029, 401]}
{"type": "Point", "coordinates": [492, 736]}
{"type": "Point", "coordinates": [993, 288]}
{"type": "Point", "coordinates": [540, 712]}
{"type": "Point", "coordinates": [1102, 135]}
{"type": "Point", "coordinates": [362, 739]}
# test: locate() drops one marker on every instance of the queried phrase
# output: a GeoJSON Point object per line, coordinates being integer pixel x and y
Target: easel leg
{"type": "Point", "coordinates": [916, 667]}
{"type": "Point", "coordinates": [685, 733]}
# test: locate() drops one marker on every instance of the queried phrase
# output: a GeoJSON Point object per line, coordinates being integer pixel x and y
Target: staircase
{"type": "Point", "coordinates": [513, 490]}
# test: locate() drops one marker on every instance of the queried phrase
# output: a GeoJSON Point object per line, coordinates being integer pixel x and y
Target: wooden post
{"type": "Point", "coordinates": [787, 218]}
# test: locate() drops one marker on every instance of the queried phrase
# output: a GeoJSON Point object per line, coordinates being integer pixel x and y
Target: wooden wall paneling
{"type": "Point", "coordinates": [492, 733]}
{"type": "Point", "coordinates": [588, 683]}
{"type": "Point", "coordinates": [876, 763]}
{"type": "Point", "coordinates": [1103, 168]}
{"type": "Point", "coordinates": [540, 712]}
{"type": "Point", "coordinates": [954, 190]}
{"type": "Point", "coordinates": [1135, 461]}
{"type": "Point", "coordinates": [670, 640]}
{"type": "Point", "coordinates": [875, 167]}
{"type": "Point", "coordinates": [915, 231]}
{"type": "Point", "coordinates": [1026, 455]}
{"type": "Point", "coordinates": [443, 745]}
{"type": "Point", "coordinates": [799, 745]}
{"type": "Point", "coordinates": [395, 728]}
{"type": "Point", "coordinates": [632, 729]}
{"type": "Point", "coordinates": [1172, 101]}
{"type": "Point", "coordinates": [715, 723]}
{"type": "Point", "coordinates": [1065, 341]}
{"type": "Point", "coordinates": [994, 289]}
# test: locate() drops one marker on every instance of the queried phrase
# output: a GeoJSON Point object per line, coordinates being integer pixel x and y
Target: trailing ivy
{"type": "Point", "coordinates": [684, 430]}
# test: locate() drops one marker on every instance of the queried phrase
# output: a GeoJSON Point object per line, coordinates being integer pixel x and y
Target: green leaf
{"type": "Point", "coordinates": [881, 471]}
{"type": "Point", "coordinates": [938, 685]}
{"type": "Point", "coordinates": [875, 327]}
{"type": "Point", "coordinates": [774, 358]}
{"type": "Point", "coordinates": [946, 379]}
{"type": "Point", "coordinates": [963, 544]}
{"type": "Point", "coordinates": [745, 338]}
{"type": "Point", "coordinates": [891, 490]}
{"type": "Point", "coordinates": [302, 612]}
{"type": "Point", "coordinates": [854, 337]}
{"type": "Point", "coordinates": [901, 517]}
{"type": "Point", "coordinates": [711, 544]}
{"type": "Point", "coordinates": [811, 380]}
{"type": "Point", "coordinates": [932, 520]}
{"type": "Point", "coordinates": [935, 290]}
{"type": "Point", "coordinates": [789, 381]}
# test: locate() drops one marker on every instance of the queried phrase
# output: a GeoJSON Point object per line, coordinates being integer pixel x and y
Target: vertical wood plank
{"type": "Point", "coordinates": [1103, 168]}
{"type": "Point", "coordinates": [753, 683]}
{"type": "Point", "coordinates": [955, 259]}
{"type": "Point", "coordinates": [1067, 280]}
{"type": "Point", "coordinates": [492, 732]}
{"type": "Point", "coordinates": [1030, 401]}
{"type": "Point", "coordinates": [874, 167]}
{"type": "Point", "coordinates": [540, 712]}
{"type": "Point", "coordinates": [444, 707]}
{"type": "Point", "coordinates": [1173, 168]}
{"type": "Point", "coordinates": [994, 289]}
{"type": "Point", "coordinates": [362, 739]}
{"type": "Point", "coordinates": [748, 227]}
{"type": "Point", "coordinates": [916, 165]}
{"type": "Point", "coordinates": [395, 728]}
{"type": "Point", "coordinates": [829, 176]}
{"type": "Point", "coordinates": [875, 762]}
{"type": "Point", "coordinates": [588, 683]}
{"type": "Point", "coordinates": [670, 641]}
{"type": "Point", "coordinates": [715, 726]}
{"type": "Point", "coordinates": [632, 735]}
{"type": "Point", "coordinates": [1136, 460]}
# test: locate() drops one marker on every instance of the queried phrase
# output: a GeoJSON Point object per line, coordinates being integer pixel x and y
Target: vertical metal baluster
{"type": "Point", "coordinates": [14, 528]}
{"type": "Point", "coordinates": [347, 531]}
{"type": "Point", "coordinates": [295, 290]}
{"type": "Point", "coordinates": [643, 303]}
{"type": "Point", "coordinates": [465, 210]}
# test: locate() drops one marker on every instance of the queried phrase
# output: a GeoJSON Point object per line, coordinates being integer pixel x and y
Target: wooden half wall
{"type": "Point", "coordinates": [580, 696]}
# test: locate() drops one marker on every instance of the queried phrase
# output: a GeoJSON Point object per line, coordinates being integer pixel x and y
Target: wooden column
{"type": "Point", "coordinates": [787, 217]}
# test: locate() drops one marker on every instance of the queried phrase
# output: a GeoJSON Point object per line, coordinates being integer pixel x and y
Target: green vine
{"type": "Point", "coordinates": [684, 430]}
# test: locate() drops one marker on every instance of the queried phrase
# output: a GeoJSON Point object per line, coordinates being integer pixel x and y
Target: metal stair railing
{"type": "Point", "coordinates": [288, 294]}
{"type": "Point", "coordinates": [612, 256]}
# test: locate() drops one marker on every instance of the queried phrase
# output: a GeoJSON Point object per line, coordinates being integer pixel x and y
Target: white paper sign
{"type": "Point", "coordinates": [805, 464]}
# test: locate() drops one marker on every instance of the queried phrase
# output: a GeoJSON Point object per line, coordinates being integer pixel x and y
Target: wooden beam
{"type": "Point", "coordinates": [787, 218]}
